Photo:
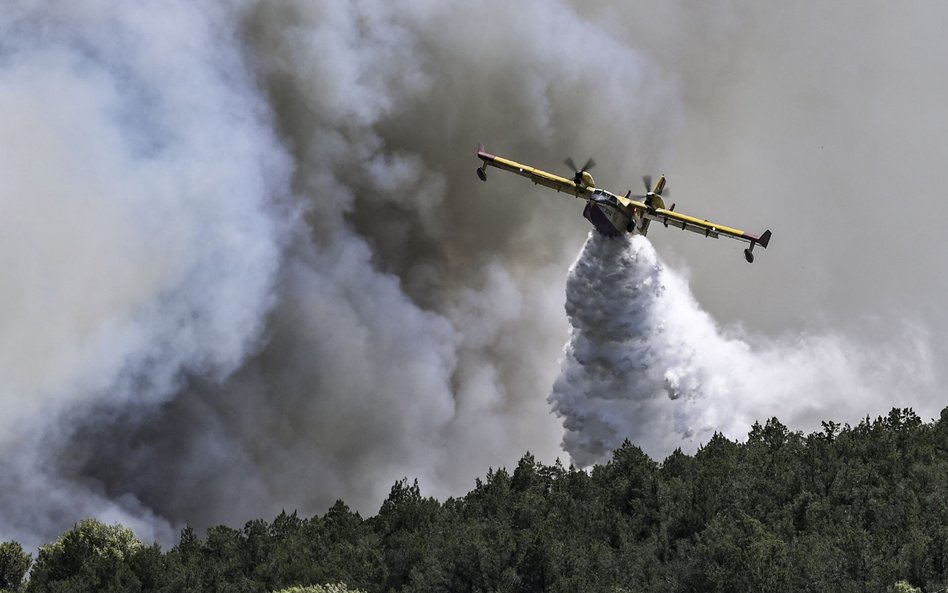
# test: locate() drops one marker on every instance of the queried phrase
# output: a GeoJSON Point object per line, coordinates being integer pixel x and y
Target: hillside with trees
{"type": "Point", "coordinates": [849, 508]}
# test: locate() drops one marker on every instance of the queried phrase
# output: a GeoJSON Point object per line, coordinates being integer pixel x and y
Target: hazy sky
{"type": "Point", "coordinates": [824, 123]}
{"type": "Point", "coordinates": [245, 263]}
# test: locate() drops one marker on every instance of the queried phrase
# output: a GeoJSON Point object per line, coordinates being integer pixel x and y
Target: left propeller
{"type": "Point", "coordinates": [578, 173]}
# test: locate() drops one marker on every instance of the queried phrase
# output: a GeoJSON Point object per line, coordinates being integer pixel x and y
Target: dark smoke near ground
{"type": "Point", "coordinates": [246, 265]}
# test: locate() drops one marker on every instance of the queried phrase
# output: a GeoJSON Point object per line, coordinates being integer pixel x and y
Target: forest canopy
{"type": "Point", "coordinates": [848, 508]}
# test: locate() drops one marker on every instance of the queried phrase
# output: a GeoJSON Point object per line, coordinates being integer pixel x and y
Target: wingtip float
{"type": "Point", "coordinates": [612, 214]}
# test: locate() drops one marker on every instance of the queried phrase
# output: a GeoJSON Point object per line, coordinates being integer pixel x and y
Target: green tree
{"type": "Point", "coordinates": [14, 563]}
{"type": "Point", "coordinates": [91, 557]}
{"type": "Point", "coordinates": [185, 564]}
{"type": "Point", "coordinates": [226, 561]}
{"type": "Point", "coordinates": [404, 523]}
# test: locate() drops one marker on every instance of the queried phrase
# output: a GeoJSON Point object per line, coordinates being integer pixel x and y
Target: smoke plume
{"type": "Point", "coordinates": [245, 264]}
{"type": "Point", "coordinates": [141, 234]}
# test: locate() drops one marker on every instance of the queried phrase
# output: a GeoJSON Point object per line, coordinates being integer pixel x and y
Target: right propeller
{"type": "Point", "coordinates": [660, 189]}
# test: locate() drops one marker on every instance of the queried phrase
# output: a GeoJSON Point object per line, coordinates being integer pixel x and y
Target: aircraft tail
{"type": "Point", "coordinates": [659, 185]}
{"type": "Point", "coordinates": [764, 239]}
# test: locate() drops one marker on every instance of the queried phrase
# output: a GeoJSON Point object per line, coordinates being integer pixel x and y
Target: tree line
{"type": "Point", "coordinates": [847, 508]}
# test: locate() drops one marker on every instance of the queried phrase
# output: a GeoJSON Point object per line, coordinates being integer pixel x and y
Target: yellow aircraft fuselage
{"type": "Point", "coordinates": [612, 214]}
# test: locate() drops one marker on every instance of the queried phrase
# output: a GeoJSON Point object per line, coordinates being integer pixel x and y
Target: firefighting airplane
{"type": "Point", "coordinates": [612, 214]}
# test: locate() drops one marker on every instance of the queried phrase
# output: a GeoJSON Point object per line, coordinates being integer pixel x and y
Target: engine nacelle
{"type": "Point", "coordinates": [587, 179]}
{"type": "Point", "coordinates": [653, 200]}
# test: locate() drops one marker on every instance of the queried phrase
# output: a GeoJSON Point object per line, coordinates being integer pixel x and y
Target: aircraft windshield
{"type": "Point", "coordinates": [601, 193]}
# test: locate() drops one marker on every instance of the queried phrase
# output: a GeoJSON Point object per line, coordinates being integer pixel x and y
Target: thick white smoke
{"type": "Point", "coordinates": [646, 363]}
{"type": "Point", "coordinates": [140, 232]}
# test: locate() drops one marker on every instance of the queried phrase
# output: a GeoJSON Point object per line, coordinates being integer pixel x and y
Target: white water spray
{"type": "Point", "coordinates": [646, 363]}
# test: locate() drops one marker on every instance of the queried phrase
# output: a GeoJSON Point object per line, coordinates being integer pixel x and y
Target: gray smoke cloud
{"type": "Point", "coordinates": [141, 232]}
{"type": "Point", "coordinates": [246, 265]}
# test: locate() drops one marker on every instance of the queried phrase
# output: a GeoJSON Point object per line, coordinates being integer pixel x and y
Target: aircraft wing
{"type": "Point", "coordinates": [535, 175]}
{"type": "Point", "coordinates": [670, 218]}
